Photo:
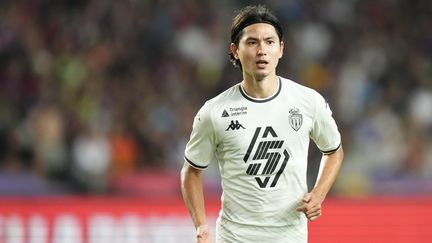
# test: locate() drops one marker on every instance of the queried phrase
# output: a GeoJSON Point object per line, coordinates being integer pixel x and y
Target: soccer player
{"type": "Point", "coordinates": [259, 131]}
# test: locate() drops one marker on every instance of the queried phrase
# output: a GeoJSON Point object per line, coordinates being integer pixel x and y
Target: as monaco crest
{"type": "Point", "coordinates": [295, 119]}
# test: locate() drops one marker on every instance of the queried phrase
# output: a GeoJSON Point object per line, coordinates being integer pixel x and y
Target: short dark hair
{"type": "Point", "coordinates": [251, 15]}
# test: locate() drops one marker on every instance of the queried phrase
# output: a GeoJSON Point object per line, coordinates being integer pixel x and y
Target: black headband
{"type": "Point", "coordinates": [252, 21]}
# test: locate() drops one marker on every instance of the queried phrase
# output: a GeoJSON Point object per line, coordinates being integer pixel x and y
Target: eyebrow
{"type": "Point", "coordinates": [255, 39]}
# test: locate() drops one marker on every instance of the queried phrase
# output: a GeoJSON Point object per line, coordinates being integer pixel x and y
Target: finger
{"type": "Point", "coordinates": [302, 208]}
{"type": "Point", "coordinates": [313, 214]}
{"type": "Point", "coordinates": [313, 208]}
{"type": "Point", "coordinates": [203, 235]}
{"type": "Point", "coordinates": [208, 240]}
{"type": "Point", "coordinates": [203, 241]}
{"type": "Point", "coordinates": [307, 197]}
{"type": "Point", "coordinates": [314, 218]}
{"type": "Point", "coordinates": [203, 238]}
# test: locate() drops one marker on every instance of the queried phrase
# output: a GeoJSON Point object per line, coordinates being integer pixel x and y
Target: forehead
{"type": "Point", "coordinates": [262, 30]}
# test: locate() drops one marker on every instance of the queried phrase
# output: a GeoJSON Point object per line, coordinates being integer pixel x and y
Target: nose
{"type": "Point", "coordinates": [261, 49]}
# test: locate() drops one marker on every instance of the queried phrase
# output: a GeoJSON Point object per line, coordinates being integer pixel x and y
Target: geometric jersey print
{"type": "Point", "coordinates": [267, 157]}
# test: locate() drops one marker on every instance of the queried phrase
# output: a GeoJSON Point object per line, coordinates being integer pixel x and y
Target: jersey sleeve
{"type": "Point", "coordinates": [325, 132]}
{"type": "Point", "coordinates": [201, 146]}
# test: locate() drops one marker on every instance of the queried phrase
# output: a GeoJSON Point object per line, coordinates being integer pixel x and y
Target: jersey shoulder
{"type": "Point", "coordinates": [303, 96]}
{"type": "Point", "coordinates": [227, 96]}
{"type": "Point", "coordinates": [298, 89]}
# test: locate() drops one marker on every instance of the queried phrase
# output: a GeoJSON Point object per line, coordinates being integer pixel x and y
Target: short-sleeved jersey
{"type": "Point", "coordinates": [261, 146]}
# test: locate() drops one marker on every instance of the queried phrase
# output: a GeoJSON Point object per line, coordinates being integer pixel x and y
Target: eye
{"type": "Point", "coordinates": [251, 42]}
{"type": "Point", "coordinates": [270, 42]}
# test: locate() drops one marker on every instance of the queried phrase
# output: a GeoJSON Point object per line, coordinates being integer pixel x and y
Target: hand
{"type": "Point", "coordinates": [311, 206]}
{"type": "Point", "coordinates": [203, 234]}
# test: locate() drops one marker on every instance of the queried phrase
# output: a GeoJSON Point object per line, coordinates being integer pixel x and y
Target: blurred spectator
{"type": "Point", "coordinates": [48, 141]}
{"type": "Point", "coordinates": [18, 175]}
{"type": "Point", "coordinates": [124, 151]}
{"type": "Point", "coordinates": [91, 152]}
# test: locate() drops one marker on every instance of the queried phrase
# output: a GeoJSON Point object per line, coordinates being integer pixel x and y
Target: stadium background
{"type": "Point", "coordinates": [97, 100]}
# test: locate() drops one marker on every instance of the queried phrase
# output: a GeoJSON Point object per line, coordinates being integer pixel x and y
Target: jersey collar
{"type": "Point", "coordinates": [261, 100]}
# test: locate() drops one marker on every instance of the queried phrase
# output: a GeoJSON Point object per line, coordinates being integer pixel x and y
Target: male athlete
{"type": "Point", "coordinates": [259, 131]}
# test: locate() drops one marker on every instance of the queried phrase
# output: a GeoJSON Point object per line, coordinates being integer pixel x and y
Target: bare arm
{"type": "Point", "coordinates": [329, 169]}
{"type": "Point", "coordinates": [192, 191]}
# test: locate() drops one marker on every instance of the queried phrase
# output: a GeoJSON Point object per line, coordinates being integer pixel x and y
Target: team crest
{"type": "Point", "coordinates": [295, 119]}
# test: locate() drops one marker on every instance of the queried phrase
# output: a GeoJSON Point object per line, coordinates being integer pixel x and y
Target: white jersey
{"type": "Point", "coordinates": [261, 146]}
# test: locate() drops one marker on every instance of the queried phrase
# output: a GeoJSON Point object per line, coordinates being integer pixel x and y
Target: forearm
{"type": "Point", "coordinates": [192, 191]}
{"type": "Point", "coordinates": [329, 169]}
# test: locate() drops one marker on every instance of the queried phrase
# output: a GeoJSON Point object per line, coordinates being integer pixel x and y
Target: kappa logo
{"type": "Point", "coordinates": [295, 119]}
{"type": "Point", "coordinates": [268, 161]}
{"type": "Point", "coordinates": [235, 126]}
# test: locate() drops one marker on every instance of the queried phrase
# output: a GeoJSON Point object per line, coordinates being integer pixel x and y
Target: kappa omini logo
{"type": "Point", "coordinates": [269, 160]}
{"type": "Point", "coordinates": [234, 125]}
{"type": "Point", "coordinates": [295, 119]}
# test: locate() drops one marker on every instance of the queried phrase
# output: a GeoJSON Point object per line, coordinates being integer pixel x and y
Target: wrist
{"type": "Point", "coordinates": [202, 226]}
{"type": "Point", "coordinates": [319, 193]}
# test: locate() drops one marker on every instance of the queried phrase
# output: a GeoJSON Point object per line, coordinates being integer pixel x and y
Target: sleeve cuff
{"type": "Point", "coordinates": [195, 165]}
{"type": "Point", "coordinates": [331, 151]}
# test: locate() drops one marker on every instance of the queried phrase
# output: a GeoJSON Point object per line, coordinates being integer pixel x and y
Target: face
{"type": "Point", "coordinates": [259, 50]}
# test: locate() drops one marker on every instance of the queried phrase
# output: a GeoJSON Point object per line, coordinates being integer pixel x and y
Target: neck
{"type": "Point", "coordinates": [260, 89]}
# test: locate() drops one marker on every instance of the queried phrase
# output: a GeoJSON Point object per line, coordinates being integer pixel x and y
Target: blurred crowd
{"type": "Point", "coordinates": [99, 96]}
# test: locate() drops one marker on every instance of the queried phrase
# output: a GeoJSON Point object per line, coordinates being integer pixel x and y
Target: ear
{"type": "Point", "coordinates": [234, 50]}
{"type": "Point", "coordinates": [282, 45]}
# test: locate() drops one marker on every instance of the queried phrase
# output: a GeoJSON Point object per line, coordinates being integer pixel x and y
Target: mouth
{"type": "Point", "coordinates": [261, 63]}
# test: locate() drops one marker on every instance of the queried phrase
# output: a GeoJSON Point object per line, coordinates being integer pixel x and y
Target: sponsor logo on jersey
{"type": "Point", "coordinates": [269, 160]}
{"type": "Point", "coordinates": [234, 126]}
{"type": "Point", "coordinates": [236, 111]}
{"type": "Point", "coordinates": [295, 119]}
{"type": "Point", "coordinates": [225, 114]}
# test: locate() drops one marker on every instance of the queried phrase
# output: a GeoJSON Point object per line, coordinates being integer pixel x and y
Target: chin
{"type": "Point", "coordinates": [261, 75]}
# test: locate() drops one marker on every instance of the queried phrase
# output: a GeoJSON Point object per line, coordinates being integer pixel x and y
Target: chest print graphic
{"type": "Point", "coordinates": [267, 158]}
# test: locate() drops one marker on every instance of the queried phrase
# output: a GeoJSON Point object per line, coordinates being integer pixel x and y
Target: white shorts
{"type": "Point", "coordinates": [230, 232]}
